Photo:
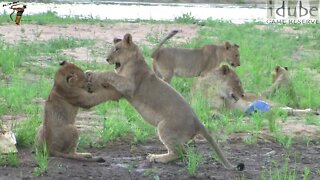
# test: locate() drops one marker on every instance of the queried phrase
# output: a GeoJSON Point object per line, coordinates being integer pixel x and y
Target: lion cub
{"type": "Point", "coordinates": [192, 62]}
{"type": "Point", "coordinates": [157, 102]}
{"type": "Point", "coordinates": [70, 91]}
{"type": "Point", "coordinates": [281, 81]}
{"type": "Point", "coordinates": [221, 87]}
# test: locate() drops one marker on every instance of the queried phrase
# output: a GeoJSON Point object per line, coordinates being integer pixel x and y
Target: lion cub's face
{"type": "Point", "coordinates": [122, 52]}
{"type": "Point", "coordinates": [278, 71]}
{"type": "Point", "coordinates": [231, 87]}
{"type": "Point", "coordinates": [231, 54]}
{"type": "Point", "coordinates": [70, 76]}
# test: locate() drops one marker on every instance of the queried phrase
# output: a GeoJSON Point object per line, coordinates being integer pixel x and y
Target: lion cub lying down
{"type": "Point", "coordinates": [155, 100]}
{"type": "Point", "coordinates": [70, 91]}
{"type": "Point", "coordinates": [192, 62]}
{"type": "Point", "coordinates": [223, 89]}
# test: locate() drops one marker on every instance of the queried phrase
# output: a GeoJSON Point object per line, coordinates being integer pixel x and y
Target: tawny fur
{"type": "Point", "coordinates": [182, 62]}
{"type": "Point", "coordinates": [222, 88]}
{"type": "Point", "coordinates": [281, 81]}
{"type": "Point", "coordinates": [155, 100]}
{"type": "Point", "coordinates": [58, 131]}
{"type": "Point", "coordinates": [218, 87]}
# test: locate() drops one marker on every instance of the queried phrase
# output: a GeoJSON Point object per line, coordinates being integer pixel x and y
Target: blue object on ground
{"type": "Point", "coordinates": [258, 106]}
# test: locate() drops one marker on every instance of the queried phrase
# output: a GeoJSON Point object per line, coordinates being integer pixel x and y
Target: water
{"type": "Point", "coordinates": [148, 11]}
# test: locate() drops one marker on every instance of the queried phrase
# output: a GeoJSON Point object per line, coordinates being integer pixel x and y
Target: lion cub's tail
{"type": "Point", "coordinates": [76, 157]}
{"type": "Point", "coordinates": [205, 133]}
{"type": "Point", "coordinates": [155, 52]}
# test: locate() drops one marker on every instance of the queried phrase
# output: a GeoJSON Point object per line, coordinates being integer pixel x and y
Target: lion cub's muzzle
{"type": "Point", "coordinates": [236, 99]}
{"type": "Point", "coordinates": [117, 66]}
{"type": "Point", "coordinates": [88, 75]}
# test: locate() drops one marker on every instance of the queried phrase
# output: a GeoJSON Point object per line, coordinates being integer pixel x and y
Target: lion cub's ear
{"type": "Point", "coordinates": [225, 69]}
{"type": "Point", "coordinates": [286, 68]}
{"type": "Point", "coordinates": [277, 68]}
{"type": "Point", "coordinates": [127, 39]}
{"type": "Point", "coordinates": [227, 45]}
{"type": "Point", "coordinates": [116, 40]}
{"type": "Point", "coordinates": [72, 78]}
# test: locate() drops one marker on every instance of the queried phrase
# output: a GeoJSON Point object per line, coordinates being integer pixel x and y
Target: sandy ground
{"type": "Point", "coordinates": [100, 32]}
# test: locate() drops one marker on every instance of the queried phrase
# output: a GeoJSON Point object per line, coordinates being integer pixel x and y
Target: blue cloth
{"type": "Point", "coordinates": [258, 106]}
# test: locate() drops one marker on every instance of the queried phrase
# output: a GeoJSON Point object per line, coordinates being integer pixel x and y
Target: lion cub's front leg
{"type": "Point", "coordinates": [123, 85]}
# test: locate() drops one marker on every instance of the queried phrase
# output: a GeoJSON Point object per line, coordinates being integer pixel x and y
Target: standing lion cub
{"type": "Point", "coordinates": [192, 62]}
{"type": "Point", "coordinates": [70, 91]}
{"type": "Point", "coordinates": [157, 102]}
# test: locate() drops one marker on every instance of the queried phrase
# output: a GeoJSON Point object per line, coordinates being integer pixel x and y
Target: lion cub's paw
{"type": "Point", "coordinates": [151, 157]}
{"type": "Point", "coordinates": [162, 158]}
{"type": "Point", "coordinates": [88, 75]}
{"type": "Point", "coordinates": [85, 155]}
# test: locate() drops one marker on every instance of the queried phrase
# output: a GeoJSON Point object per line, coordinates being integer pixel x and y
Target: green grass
{"type": "Point", "coordinates": [25, 131]}
{"type": "Point", "coordinates": [193, 160]}
{"type": "Point", "coordinates": [18, 94]}
{"type": "Point", "coordinates": [13, 56]}
{"type": "Point", "coordinates": [280, 173]}
{"type": "Point", "coordinates": [126, 122]}
{"type": "Point", "coordinates": [114, 129]}
{"type": "Point", "coordinates": [42, 160]}
{"type": "Point", "coordinates": [260, 50]}
{"type": "Point", "coordinates": [285, 140]}
{"type": "Point", "coordinates": [312, 119]}
{"type": "Point", "coordinates": [186, 18]}
{"type": "Point", "coordinates": [10, 159]}
{"type": "Point", "coordinates": [250, 140]}
{"type": "Point", "coordinates": [306, 173]}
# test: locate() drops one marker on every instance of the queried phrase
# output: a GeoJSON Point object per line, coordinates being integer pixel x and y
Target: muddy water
{"type": "Point", "coordinates": [147, 11]}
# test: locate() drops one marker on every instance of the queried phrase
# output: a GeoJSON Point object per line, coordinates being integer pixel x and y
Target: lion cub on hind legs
{"type": "Point", "coordinates": [157, 102]}
{"type": "Point", "coordinates": [58, 131]}
{"type": "Point", "coordinates": [192, 62]}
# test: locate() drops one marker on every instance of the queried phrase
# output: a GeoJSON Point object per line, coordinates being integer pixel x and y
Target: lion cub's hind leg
{"type": "Point", "coordinates": [172, 142]}
{"type": "Point", "coordinates": [156, 71]}
{"type": "Point", "coordinates": [69, 138]}
{"type": "Point", "coordinates": [166, 73]}
{"type": "Point", "coordinates": [66, 140]}
{"type": "Point", "coordinates": [40, 139]}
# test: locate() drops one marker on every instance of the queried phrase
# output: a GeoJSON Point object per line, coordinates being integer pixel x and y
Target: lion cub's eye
{"type": "Point", "coordinates": [116, 49]}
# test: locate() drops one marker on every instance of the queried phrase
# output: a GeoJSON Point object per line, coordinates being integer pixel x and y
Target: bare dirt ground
{"type": "Point", "coordinates": [125, 160]}
{"type": "Point", "coordinates": [99, 32]}
{"type": "Point", "coordinates": [102, 33]}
